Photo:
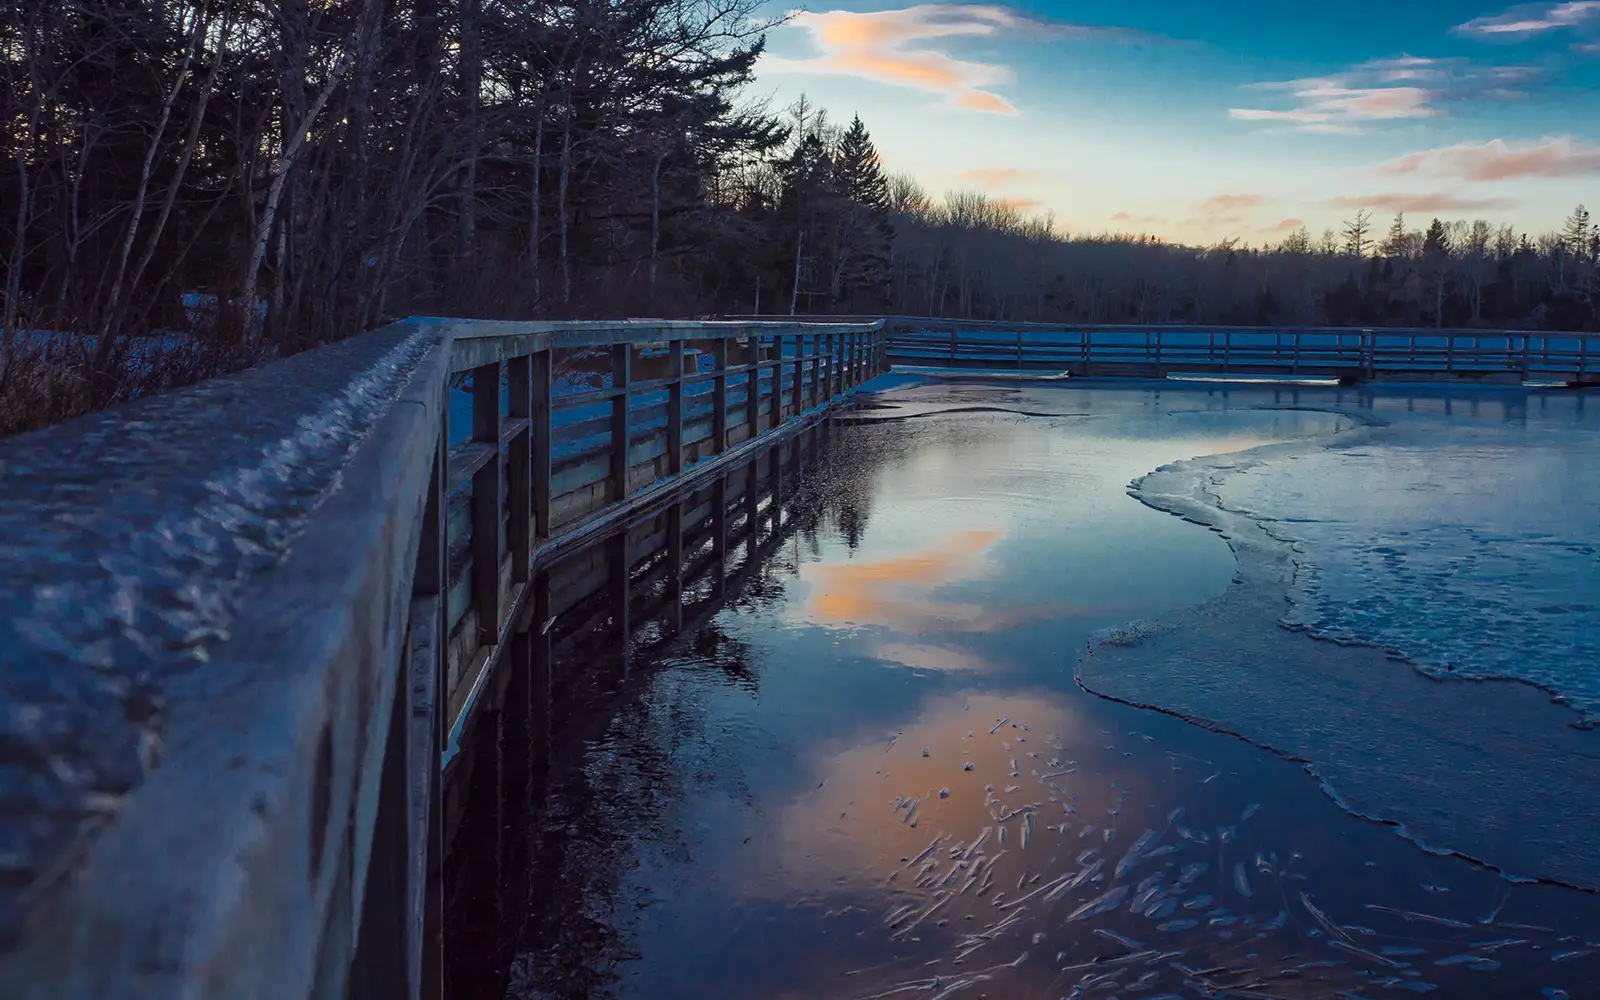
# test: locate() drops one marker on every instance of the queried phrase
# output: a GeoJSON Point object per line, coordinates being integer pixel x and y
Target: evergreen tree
{"type": "Point", "coordinates": [1436, 242]}
{"type": "Point", "coordinates": [864, 234]}
{"type": "Point", "coordinates": [1578, 232]}
{"type": "Point", "coordinates": [1394, 245]}
{"type": "Point", "coordinates": [1358, 234]}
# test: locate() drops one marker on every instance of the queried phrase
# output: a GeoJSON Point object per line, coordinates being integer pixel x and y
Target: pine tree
{"type": "Point", "coordinates": [863, 235]}
{"type": "Point", "coordinates": [1436, 243]}
{"type": "Point", "coordinates": [1358, 234]}
{"type": "Point", "coordinates": [1579, 232]}
{"type": "Point", "coordinates": [856, 167]}
{"type": "Point", "coordinates": [1394, 245]}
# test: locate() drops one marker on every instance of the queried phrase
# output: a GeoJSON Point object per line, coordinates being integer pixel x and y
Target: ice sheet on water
{"type": "Point", "coordinates": [1470, 546]}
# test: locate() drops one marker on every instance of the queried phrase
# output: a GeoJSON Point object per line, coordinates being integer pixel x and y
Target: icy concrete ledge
{"type": "Point", "coordinates": [1490, 770]}
{"type": "Point", "coordinates": [201, 589]}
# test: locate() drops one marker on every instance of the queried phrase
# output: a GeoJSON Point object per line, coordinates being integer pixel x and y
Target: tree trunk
{"type": "Point", "coordinates": [534, 225]}
{"type": "Point", "coordinates": [471, 96]}
{"type": "Point", "coordinates": [655, 223]}
{"type": "Point", "coordinates": [561, 207]}
{"type": "Point", "coordinates": [799, 248]}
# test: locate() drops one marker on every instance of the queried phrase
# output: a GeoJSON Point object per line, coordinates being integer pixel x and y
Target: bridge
{"type": "Point", "coordinates": [252, 623]}
{"type": "Point", "coordinates": [1347, 353]}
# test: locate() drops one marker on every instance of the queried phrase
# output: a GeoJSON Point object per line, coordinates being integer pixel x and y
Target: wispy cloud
{"type": "Point", "coordinates": [1407, 87]}
{"type": "Point", "coordinates": [992, 177]}
{"type": "Point", "coordinates": [1527, 20]}
{"type": "Point", "coordinates": [901, 47]}
{"type": "Point", "coordinates": [1285, 226]}
{"type": "Point", "coordinates": [1496, 160]}
{"type": "Point", "coordinates": [1424, 202]}
{"type": "Point", "coordinates": [1227, 204]}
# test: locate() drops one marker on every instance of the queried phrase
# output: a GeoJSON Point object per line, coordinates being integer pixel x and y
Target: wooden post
{"type": "Point", "coordinates": [424, 691]}
{"type": "Point", "coordinates": [487, 517]}
{"type": "Point", "coordinates": [753, 399]}
{"type": "Point", "coordinates": [816, 371]}
{"type": "Point", "coordinates": [675, 411]}
{"type": "Point", "coordinates": [719, 396]}
{"type": "Point", "coordinates": [539, 416]}
{"type": "Point", "coordinates": [381, 965]}
{"type": "Point", "coordinates": [830, 369]}
{"type": "Point", "coordinates": [952, 346]}
{"type": "Point", "coordinates": [519, 468]}
{"type": "Point", "coordinates": [777, 382]}
{"type": "Point", "coordinates": [799, 374]}
{"type": "Point", "coordinates": [621, 369]}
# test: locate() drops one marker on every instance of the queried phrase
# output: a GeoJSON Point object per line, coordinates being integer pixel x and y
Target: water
{"type": "Point", "coordinates": [872, 773]}
{"type": "Point", "coordinates": [1492, 522]}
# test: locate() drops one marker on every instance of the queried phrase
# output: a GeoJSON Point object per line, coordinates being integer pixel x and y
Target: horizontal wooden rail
{"type": "Point", "coordinates": [1336, 352]}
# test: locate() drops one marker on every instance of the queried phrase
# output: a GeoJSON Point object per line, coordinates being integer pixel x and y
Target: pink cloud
{"type": "Point", "coordinates": [898, 47]}
{"type": "Point", "coordinates": [1495, 160]}
{"type": "Point", "coordinates": [1287, 225]}
{"type": "Point", "coordinates": [1533, 19]}
{"type": "Point", "coordinates": [1320, 105]}
{"type": "Point", "coordinates": [997, 176]}
{"type": "Point", "coordinates": [1423, 202]}
{"type": "Point", "coordinates": [1227, 203]}
{"type": "Point", "coordinates": [1380, 90]}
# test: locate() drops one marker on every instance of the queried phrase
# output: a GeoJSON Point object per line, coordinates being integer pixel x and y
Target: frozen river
{"type": "Point", "coordinates": [910, 758]}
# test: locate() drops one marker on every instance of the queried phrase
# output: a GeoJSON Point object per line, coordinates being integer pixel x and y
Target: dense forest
{"type": "Point", "coordinates": [267, 175]}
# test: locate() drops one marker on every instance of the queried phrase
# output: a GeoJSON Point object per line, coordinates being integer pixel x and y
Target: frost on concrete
{"type": "Point", "coordinates": [127, 538]}
{"type": "Point", "coordinates": [1419, 548]}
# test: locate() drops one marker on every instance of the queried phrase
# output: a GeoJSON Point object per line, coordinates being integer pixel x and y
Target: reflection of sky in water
{"type": "Point", "coordinates": [821, 831]}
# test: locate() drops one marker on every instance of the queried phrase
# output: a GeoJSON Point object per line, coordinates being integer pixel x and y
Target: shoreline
{"type": "Point", "coordinates": [1193, 665]}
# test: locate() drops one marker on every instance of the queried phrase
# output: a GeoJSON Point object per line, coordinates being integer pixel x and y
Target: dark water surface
{"type": "Point", "coordinates": [871, 773]}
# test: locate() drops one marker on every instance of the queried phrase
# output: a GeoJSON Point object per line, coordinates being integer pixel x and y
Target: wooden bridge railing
{"type": "Point", "coordinates": [1379, 353]}
{"type": "Point", "coordinates": [246, 620]}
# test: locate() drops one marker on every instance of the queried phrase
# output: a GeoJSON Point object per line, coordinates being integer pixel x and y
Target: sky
{"type": "Point", "coordinates": [1202, 121]}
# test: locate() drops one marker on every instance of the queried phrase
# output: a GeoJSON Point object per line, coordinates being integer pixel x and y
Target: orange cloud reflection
{"type": "Point", "coordinates": [893, 591]}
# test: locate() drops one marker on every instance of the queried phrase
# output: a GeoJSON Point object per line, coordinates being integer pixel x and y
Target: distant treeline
{"type": "Point", "coordinates": [261, 177]}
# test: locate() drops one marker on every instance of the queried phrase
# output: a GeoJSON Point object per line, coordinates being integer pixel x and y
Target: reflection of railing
{"type": "Point", "coordinates": [656, 577]}
{"type": "Point", "coordinates": [288, 588]}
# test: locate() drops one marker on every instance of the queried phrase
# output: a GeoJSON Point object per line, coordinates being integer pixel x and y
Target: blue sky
{"type": "Point", "coordinates": [1202, 121]}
